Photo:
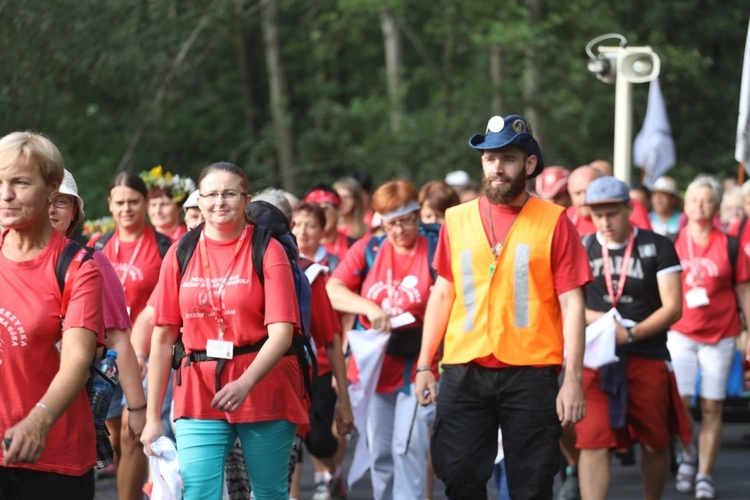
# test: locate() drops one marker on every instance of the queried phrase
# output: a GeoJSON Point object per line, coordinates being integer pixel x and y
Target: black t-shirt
{"type": "Point", "coordinates": [653, 255]}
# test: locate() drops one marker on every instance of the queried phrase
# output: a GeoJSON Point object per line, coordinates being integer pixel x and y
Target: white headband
{"type": "Point", "coordinates": [410, 207]}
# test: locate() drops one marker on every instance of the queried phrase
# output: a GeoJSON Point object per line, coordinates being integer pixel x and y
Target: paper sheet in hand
{"type": "Point", "coordinates": [404, 319]}
{"type": "Point", "coordinates": [600, 341]}
{"type": "Point", "coordinates": [368, 349]}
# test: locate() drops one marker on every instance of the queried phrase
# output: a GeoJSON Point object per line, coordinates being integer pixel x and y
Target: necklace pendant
{"type": "Point", "coordinates": [496, 250]}
{"type": "Point", "coordinates": [492, 268]}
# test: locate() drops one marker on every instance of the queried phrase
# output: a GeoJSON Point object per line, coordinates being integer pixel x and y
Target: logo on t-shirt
{"type": "Point", "coordinates": [14, 334]}
{"type": "Point", "coordinates": [134, 272]}
{"type": "Point", "coordinates": [705, 268]}
{"type": "Point", "coordinates": [404, 294]}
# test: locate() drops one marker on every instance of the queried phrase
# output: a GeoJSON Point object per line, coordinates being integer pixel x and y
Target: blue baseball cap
{"type": "Point", "coordinates": [513, 130]}
{"type": "Point", "coordinates": [607, 190]}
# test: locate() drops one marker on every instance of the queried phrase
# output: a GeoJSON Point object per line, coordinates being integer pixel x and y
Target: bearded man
{"type": "Point", "coordinates": [508, 297]}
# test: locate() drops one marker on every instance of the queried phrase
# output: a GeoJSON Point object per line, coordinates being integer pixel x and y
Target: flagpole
{"type": "Point", "coordinates": [740, 174]}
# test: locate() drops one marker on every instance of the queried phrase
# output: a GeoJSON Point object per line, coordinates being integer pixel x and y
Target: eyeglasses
{"type": "Point", "coordinates": [405, 223]}
{"type": "Point", "coordinates": [228, 196]}
{"type": "Point", "coordinates": [62, 201]}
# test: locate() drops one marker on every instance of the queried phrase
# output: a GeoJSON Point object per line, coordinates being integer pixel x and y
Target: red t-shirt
{"type": "Point", "coordinates": [639, 218]}
{"type": "Point", "coordinates": [139, 278]}
{"type": "Point", "coordinates": [30, 328]}
{"type": "Point", "coordinates": [407, 292]}
{"type": "Point", "coordinates": [114, 306]}
{"type": "Point", "coordinates": [570, 264]}
{"type": "Point", "coordinates": [339, 246]}
{"type": "Point", "coordinates": [176, 233]}
{"type": "Point", "coordinates": [711, 270]}
{"type": "Point", "coordinates": [248, 308]}
{"type": "Point", "coordinates": [324, 323]}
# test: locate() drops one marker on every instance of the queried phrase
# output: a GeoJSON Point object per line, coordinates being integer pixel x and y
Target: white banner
{"type": "Point", "coordinates": [653, 148]}
{"type": "Point", "coordinates": [368, 350]}
{"type": "Point", "coordinates": [742, 148]}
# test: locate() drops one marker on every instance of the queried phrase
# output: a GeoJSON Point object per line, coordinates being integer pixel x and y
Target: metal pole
{"type": "Point", "coordinates": [623, 123]}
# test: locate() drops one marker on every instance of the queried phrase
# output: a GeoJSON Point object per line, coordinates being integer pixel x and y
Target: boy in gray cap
{"type": "Point", "coordinates": [636, 273]}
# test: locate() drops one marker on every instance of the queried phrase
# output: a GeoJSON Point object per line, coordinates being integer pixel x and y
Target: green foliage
{"type": "Point", "coordinates": [87, 73]}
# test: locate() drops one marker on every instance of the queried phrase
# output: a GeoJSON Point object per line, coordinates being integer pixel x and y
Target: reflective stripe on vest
{"type": "Point", "coordinates": [514, 313]}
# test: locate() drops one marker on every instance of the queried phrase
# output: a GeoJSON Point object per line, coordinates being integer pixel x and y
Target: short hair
{"type": "Point", "coordinates": [708, 181]}
{"type": "Point", "coordinates": [392, 195]}
{"type": "Point", "coordinates": [745, 189]}
{"type": "Point", "coordinates": [277, 198]}
{"type": "Point", "coordinates": [130, 180]}
{"type": "Point", "coordinates": [313, 209]}
{"type": "Point", "coordinates": [439, 196]}
{"type": "Point", "coordinates": [35, 150]}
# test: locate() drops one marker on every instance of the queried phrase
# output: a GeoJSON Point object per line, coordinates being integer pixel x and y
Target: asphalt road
{"type": "Point", "coordinates": [731, 476]}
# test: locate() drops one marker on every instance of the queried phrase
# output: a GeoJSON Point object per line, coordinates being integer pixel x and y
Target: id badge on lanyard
{"type": "Point", "coordinates": [219, 348]}
{"type": "Point", "coordinates": [696, 296]}
{"type": "Point", "coordinates": [624, 266]}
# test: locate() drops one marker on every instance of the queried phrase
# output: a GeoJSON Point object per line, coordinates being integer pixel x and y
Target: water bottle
{"type": "Point", "coordinates": [103, 387]}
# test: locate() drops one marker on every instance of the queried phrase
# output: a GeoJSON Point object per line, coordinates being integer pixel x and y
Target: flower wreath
{"type": "Point", "coordinates": [95, 227]}
{"type": "Point", "coordinates": [180, 187]}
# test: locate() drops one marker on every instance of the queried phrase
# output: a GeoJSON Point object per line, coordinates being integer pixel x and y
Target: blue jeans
{"type": "Point", "coordinates": [203, 447]}
{"type": "Point", "coordinates": [501, 481]}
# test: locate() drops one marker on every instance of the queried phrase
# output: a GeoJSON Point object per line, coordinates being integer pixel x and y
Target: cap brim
{"type": "Point", "coordinates": [609, 201]}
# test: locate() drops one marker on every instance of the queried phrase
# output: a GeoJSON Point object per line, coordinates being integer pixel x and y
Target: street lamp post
{"type": "Point", "coordinates": [623, 66]}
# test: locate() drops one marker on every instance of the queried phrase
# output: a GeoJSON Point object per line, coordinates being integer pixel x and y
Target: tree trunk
{"type": "Point", "coordinates": [242, 42]}
{"type": "Point", "coordinates": [496, 77]}
{"type": "Point", "coordinates": [393, 65]}
{"type": "Point", "coordinates": [531, 74]}
{"type": "Point", "coordinates": [279, 94]}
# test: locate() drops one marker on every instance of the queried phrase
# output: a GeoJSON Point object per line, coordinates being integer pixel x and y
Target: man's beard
{"type": "Point", "coordinates": [505, 193]}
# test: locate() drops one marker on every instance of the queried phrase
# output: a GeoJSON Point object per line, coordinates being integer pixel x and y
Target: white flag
{"type": "Point", "coordinates": [653, 148]}
{"type": "Point", "coordinates": [742, 150]}
{"type": "Point", "coordinates": [368, 350]}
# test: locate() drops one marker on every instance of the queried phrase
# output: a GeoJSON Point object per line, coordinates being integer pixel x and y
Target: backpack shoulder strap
{"type": "Point", "coordinates": [371, 252]}
{"type": "Point", "coordinates": [733, 249]}
{"type": "Point", "coordinates": [102, 242]}
{"type": "Point", "coordinates": [186, 247]}
{"type": "Point", "coordinates": [261, 237]}
{"type": "Point", "coordinates": [70, 260]}
{"type": "Point", "coordinates": [163, 242]}
{"type": "Point", "coordinates": [432, 233]}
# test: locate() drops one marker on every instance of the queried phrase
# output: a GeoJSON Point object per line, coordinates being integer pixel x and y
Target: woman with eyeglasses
{"type": "Point", "coordinates": [240, 377]}
{"type": "Point", "coordinates": [48, 448]}
{"type": "Point", "coordinates": [135, 250]}
{"type": "Point", "coordinates": [65, 212]}
{"type": "Point", "coordinates": [383, 279]}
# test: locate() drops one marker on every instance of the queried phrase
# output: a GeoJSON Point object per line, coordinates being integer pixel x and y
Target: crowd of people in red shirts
{"type": "Point", "coordinates": [672, 285]}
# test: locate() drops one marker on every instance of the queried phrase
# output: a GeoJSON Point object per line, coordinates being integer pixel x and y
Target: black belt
{"type": "Point", "coordinates": [201, 356]}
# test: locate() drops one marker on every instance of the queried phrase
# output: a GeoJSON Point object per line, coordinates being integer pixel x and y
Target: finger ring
{"type": "Point", "coordinates": [229, 403]}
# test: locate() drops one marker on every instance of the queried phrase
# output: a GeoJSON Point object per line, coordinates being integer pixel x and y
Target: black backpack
{"type": "Point", "coordinates": [163, 242]}
{"type": "Point", "coordinates": [70, 260]}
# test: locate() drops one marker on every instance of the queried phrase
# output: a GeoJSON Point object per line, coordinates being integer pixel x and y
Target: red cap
{"type": "Point", "coordinates": [552, 181]}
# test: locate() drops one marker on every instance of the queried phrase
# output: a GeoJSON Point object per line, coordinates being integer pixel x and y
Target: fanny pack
{"type": "Point", "coordinates": [405, 342]}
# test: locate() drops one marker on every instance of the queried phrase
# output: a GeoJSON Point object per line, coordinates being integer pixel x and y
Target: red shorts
{"type": "Point", "coordinates": [648, 409]}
